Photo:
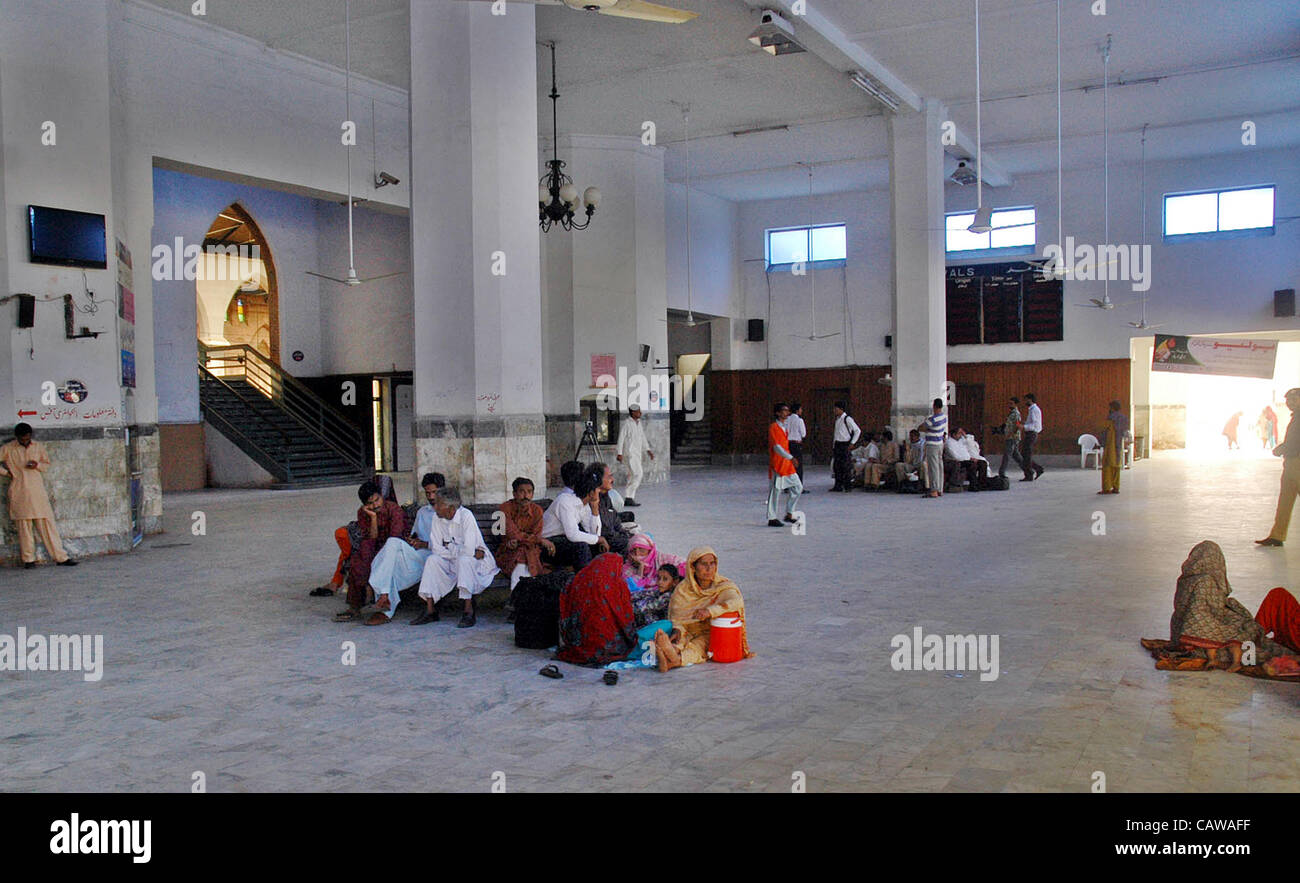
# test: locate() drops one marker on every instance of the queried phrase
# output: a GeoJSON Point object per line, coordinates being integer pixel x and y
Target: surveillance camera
{"type": "Point", "coordinates": [383, 179]}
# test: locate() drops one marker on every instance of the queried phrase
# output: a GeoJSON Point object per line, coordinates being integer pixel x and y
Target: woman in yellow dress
{"type": "Point", "coordinates": [1113, 439]}
{"type": "Point", "coordinates": [700, 597]}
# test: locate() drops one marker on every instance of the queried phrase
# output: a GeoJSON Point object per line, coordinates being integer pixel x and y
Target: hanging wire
{"type": "Point", "coordinates": [347, 99]}
{"type": "Point", "coordinates": [1060, 232]}
{"type": "Point", "coordinates": [1105, 149]}
{"type": "Point", "coordinates": [979, 122]}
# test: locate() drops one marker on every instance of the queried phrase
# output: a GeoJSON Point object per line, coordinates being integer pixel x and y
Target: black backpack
{"type": "Point", "coordinates": [536, 601]}
{"type": "Point", "coordinates": [998, 483]}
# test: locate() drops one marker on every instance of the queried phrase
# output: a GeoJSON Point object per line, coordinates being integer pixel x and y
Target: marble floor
{"type": "Point", "coordinates": [217, 661]}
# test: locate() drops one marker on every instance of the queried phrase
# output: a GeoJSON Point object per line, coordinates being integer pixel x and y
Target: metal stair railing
{"type": "Point", "coordinates": [291, 394]}
{"type": "Point", "coordinates": [279, 465]}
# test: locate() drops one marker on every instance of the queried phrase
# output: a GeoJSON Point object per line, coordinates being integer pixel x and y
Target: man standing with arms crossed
{"type": "Point", "coordinates": [24, 461]}
{"type": "Point", "coordinates": [781, 468]}
{"type": "Point", "coordinates": [1033, 426]}
{"type": "Point", "coordinates": [1289, 451]}
{"type": "Point", "coordinates": [631, 442]}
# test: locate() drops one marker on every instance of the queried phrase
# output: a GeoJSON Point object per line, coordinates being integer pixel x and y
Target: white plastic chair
{"type": "Point", "coordinates": [1089, 447]}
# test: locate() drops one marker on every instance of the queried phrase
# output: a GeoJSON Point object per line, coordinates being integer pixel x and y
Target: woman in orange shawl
{"type": "Point", "coordinates": [703, 595]}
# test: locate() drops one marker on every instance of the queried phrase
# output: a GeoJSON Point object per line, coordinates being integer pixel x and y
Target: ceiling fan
{"type": "Point", "coordinates": [812, 272]}
{"type": "Point", "coordinates": [352, 278]}
{"type": "Point", "coordinates": [622, 8]}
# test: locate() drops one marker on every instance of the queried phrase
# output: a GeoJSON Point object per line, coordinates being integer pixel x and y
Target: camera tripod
{"type": "Point", "coordinates": [589, 438]}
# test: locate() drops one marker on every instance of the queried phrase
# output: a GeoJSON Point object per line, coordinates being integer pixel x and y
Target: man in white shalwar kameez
{"type": "Point", "coordinates": [400, 563]}
{"type": "Point", "coordinates": [631, 444]}
{"type": "Point", "coordinates": [458, 559]}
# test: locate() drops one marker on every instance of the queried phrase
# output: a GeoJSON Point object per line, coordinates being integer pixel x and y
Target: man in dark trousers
{"type": "Point", "coordinates": [847, 434]}
{"type": "Point", "coordinates": [1032, 427]}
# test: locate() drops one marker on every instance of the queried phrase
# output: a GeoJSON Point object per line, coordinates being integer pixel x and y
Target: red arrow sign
{"type": "Point", "coordinates": [26, 413]}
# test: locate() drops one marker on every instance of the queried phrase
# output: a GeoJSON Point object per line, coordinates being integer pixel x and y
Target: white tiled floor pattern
{"type": "Point", "coordinates": [218, 661]}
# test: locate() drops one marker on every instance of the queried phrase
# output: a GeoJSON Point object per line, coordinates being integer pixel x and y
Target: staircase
{"type": "Point", "coordinates": [696, 445]}
{"type": "Point", "coordinates": [277, 421]}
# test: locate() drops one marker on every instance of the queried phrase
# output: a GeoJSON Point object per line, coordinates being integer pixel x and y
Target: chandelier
{"type": "Point", "coordinates": [557, 196]}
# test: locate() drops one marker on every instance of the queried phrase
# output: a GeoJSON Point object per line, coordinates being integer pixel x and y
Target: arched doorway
{"type": "Point", "coordinates": [236, 290]}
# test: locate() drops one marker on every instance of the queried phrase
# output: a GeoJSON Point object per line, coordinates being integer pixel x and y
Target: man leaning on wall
{"type": "Point", "coordinates": [25, 460]}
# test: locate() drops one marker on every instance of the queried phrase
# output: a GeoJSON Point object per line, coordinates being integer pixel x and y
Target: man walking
{"type": "Point", "coordinates": [631, 442]}
{"type": "Point", "coordinates": [1011, 438]}
{"type": "Point", "coordinates": [796, 430]}
{"type": "Point", "coordinates": [935, 430]}
{"type": "Point", "coordinates": [24, 461]}
{"type": "Point", "coordinates": [1032, 427]}
{"type": "Point", "coordinates": [781, 469]}
{"type": "Point", "coordinates": [1289, 451]}
{"type": "Point", "coordinates": [847, 434]}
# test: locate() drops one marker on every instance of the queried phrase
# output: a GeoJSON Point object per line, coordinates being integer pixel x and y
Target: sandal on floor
{"type": "Point", "coordinates": [378, 619]}
{"type": "Point", "coordinates": [346, 615]}
{"type": "Point", "coordinates": [321, 592]}
{"type": "Point", "coordinates": [610, 678]}
{"type": "Point", "coordinates": [551, 671]}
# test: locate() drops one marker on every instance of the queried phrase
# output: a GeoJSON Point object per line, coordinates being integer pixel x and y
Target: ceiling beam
{"type": "Point", "coordinates": [831, 44]}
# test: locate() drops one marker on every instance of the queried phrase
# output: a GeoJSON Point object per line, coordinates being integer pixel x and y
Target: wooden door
{"type": "Point", "coordinates": [968, 413]}
{"type": "Point", "coordinates": [819, 414]}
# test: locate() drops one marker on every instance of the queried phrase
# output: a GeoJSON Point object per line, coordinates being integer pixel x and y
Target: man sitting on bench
{"type": "Point", "coordinates": [400, 563]}
{"type": "Point", "coordinates": [458, 559]}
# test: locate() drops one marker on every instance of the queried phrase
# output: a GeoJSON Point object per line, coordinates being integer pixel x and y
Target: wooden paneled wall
{"type": "Point", "coordinates": [1072, 394]}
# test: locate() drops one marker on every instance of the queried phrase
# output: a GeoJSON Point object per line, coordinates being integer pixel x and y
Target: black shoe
{"type": "Point", "coordinates": [630, 502]}
{"type": "Point", "coordinates": [789, 519]}
{"type": "Point", "coordinates": [1026, 478]}
{"type": "Point", "coordinates": [28, 565]}
{"type": "Point", "coordinates": [68, 562]}
{"type": "Point", "coordinates": [610, 678]}
{"type": "Point", "coordinates": [425, 617]}
{"type": "Point", "coordinates": [1267, 541]}
{"type": "Point", "coordinates": [467, 620]}
{"type": "Point", "coordinates": [1038, 471]}
{"type": "Point", "coordinates": [771, 522]}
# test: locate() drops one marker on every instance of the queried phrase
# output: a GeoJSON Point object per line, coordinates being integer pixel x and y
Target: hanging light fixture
{"type": "Point", "coordinates": [557, 196]}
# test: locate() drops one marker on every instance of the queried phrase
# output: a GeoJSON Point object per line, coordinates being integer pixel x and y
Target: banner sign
{"type": "Point", "coordinates": [1233, 357]}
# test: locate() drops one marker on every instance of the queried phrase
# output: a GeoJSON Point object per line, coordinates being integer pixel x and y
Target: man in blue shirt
{"type": "Point", "coordinates": [934, 430]}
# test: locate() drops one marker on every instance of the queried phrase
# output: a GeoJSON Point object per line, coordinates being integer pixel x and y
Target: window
{"type": "Point", "coordinates": [826, 242]}
{"type": "Point", "coordinates": [1219, 211]}
{"type": "Point", "coordinates": [1013, 228]}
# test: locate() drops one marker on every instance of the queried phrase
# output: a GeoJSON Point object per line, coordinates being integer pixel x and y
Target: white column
{"type": "Point", "coordinates": [475, 247]}
{"type": "Point", "coordinates": [920, 331]}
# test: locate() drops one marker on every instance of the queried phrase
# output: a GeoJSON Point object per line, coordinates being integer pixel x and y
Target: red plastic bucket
{"type": "Point", "coordinates": [724, 638]}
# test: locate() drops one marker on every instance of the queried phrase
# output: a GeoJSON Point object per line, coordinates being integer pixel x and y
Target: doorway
{"type": "Point", "coordinates": [236, 292]}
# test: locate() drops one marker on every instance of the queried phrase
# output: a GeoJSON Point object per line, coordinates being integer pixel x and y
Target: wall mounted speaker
{"type": "Point", "coordinates": [889, 341]}
{"type": "Point", "coordinates": [1284, 302]}
{"type": "Point", "coordinates": [26, 310]}
{"type": "Point", "coordinates": [755, 330]}
{"type": "Point", "coordinates": [645, 353]}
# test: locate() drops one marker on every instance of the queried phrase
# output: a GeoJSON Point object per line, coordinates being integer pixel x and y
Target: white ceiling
{"type": "Point", "coordinates": [1217, 63]}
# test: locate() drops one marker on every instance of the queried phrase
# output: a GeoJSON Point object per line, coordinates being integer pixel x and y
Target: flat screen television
{"type": "Point", "coordinates": [67, 238]}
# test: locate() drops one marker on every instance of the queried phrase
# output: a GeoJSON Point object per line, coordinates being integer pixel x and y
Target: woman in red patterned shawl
{"type": "Point", "coordinates": [597, 625]}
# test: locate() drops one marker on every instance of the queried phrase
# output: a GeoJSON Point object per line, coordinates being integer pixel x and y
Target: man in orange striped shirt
{"type": "Point", "coordinates": [782, 468]}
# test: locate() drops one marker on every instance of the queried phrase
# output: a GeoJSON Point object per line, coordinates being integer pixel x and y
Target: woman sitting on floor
{"type": "Point", "coordinates": [1208, 627]}
{"type": "Point", "coordinates": [597, 625]}
{"type": "Point", "coordinates": [701, 596]}
{"type": "Point", "coordinates": [642, 571]}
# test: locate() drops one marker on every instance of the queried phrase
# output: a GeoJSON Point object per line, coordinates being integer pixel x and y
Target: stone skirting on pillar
{"type": "Point", "coordinates": [564, 431]}
{"type": "Point", "coordinates": [903, 420]}
{"type": "Point", "coordinates": [89, 487]}
{"type": "Point", "coordinates": [481, 455]}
